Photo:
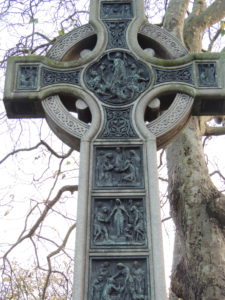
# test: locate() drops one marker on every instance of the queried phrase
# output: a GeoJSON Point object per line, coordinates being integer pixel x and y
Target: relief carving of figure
{"type": "Point", "coordinates": [99, 165]}
{"type": "Point", "coordinates": [117, 10]}
{"type": "Point", "coordinates": [126, 282]}
{"type": "Point", "coordinates": [108, 166]}
{"type": "Point", "coordinates": [118, 159]}
{"type": "Point", "coordinates": [138, 222]}
{"type": "Point", "coordinates": [109, 289]}
{"type": "Point", "coordinates": [96, 291]}
{"type": "Point", "coordinates": [117, 77]}
{"type": "Point", "coordinates": [104, 270]}
{"type": "Point", "coordinates": [131, 167]}
{"type": "Point", "coordinates": [119, 166]}
{"type": "Point", "coordinates": [100, 225]}
{"type": "Point", "coordinates": [127, 10]}
{"type": "Point", "coordinates": [136, 161]}
{"type": "Point", "coordinates": [106, 11]}
{"type": "Point", "coordinates": [128, 233]}
{"type": "Point", "coordinates": [207, 74]}
{"type": "Point", "coordinates": [118, 214]}
{"type": "Point", "coordinates": [28, 77]}
{"type": "Point", "coordinates": [136, 80]}
{"type": "Point", "coordinates": [139, 279]}
{"type": "Point", "coordinates": [97, 82]}
{"type": "Point", "coordinates": [119, 222]}
{"type": "Point", "coordinates": [129, 171]}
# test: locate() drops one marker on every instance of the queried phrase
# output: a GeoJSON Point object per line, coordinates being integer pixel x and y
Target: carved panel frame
{"type": "Point", "coordinates": [118, 222]}
{"type": "Point", "coordinates": [127, 276]}
{"type": "Point", "coordinates": [120, 166]}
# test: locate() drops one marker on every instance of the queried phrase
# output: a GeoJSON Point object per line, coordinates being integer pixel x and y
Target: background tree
{"type": "Point", "coordinates": [197, 207]}
{"type": "Point", "coordinates": [39, 173]}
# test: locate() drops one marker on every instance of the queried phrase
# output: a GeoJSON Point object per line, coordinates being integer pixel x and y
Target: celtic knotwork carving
{"type": "Point", "coordinates": [27, 77]}
{"type": "Point", "coordinates": [64, 43]}
{"type": "Point", "coordinates": [115, 10]}
{"type": "Point", "coordinates": [117, 78]}
{"type": "Point", "coordinates": [117, 34]}
{"type": "Point", "coordinates": [184, 75]}
{"type": "Point", "coordinates": [50, 77]}
{"type": "Point", "coordinates": [118, 222]}
{"type": "Point", "coordinates": [120, 166]}
{"type": "Point", "coordinates": [119, 278]}
{"type": "Point", "coordinates": [207, 74]}
{"type": "Point", "coordinates": [170, 43]}
{"type": "Point", "coordinates": [59, 118]}
{"type": "Point", "coordinates": [57, 112]}
{"type": "Point", "coordinates": [118, 124]}
{"type": "Point", "coordinates": [169, 119]}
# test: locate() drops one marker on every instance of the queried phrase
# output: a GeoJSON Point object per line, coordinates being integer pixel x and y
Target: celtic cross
{"type": "Point", "coordinates": [133, 87]}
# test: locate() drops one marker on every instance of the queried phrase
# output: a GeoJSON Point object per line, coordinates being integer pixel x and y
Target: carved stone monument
{"type": "Point", "coordinates": [133, 87]}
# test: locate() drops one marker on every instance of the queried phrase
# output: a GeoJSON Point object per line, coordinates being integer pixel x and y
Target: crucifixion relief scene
{"type": "Point", "coordinates": [117, 90]}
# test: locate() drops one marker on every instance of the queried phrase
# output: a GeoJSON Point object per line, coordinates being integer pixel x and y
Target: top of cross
{"type": "Point", "coordinates": [131, 62]}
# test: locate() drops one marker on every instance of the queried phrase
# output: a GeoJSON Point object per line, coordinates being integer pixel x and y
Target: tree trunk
{"type": "Point", "coordinates": [197, 207]}
{"type": "Point", "coordinates": [199, 215]}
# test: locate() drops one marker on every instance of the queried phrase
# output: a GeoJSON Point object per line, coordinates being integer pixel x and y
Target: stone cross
{"type": "Point", "coordinates": [133, 87]}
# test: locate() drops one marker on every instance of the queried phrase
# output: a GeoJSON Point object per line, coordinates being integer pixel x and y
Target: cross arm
{"type": "Point", "coordinates": [201, 75]}
{"type": "Point", "coordinates": [30, 79]}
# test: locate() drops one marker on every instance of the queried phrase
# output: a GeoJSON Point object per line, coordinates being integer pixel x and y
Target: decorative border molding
{"type": "Point", "coordinates": [129, 273]}
{"type": "Point", "coordinates": [118, 124]}
{"type": "Point", "coordinates": [117, 33]}
{"type": "Point", "coordinates": [172, 45]}
{"type": "Point", "coordinates": [50, 77]}
{"type": "Point", "coordinates": [61, 121]}
{"type": "Point", "coordinates": [118, 165]}
{"type": "Point", "coordinates": [158, 127]}
{"type": "Point", "coordinates": [180, 107]}
{"type": "Point", "coordinates": [65, 42]}
{"type": "Point", "coordinates": [118, 222]}
{"type": "Point", "coordinates": [60, 116]}
{"type": "Point", "coordinates": [182, 75]}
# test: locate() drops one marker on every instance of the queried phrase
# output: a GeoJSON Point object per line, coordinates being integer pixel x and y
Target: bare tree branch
{"type": "Point", "coordinates": [174, 17]}
{"type": "Point", "coordinates": [62, 246]}
{"type": "Point", "coordinates": [199, 20]}
{"type": "Point", "coordinates": [215, 131]}
{"type": "Point", "coordinates": [166, 219]}
{"type": "Point", "coordinates": [213, 40]}
{"type": "Point", "coordinates": [217, 172]}
{"type": "Point", "coordinates": [49, 205]}
{"type": "Point", "coordinates": [211, 15]}
{"type": "Point", "coordinates": [35, 147]}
